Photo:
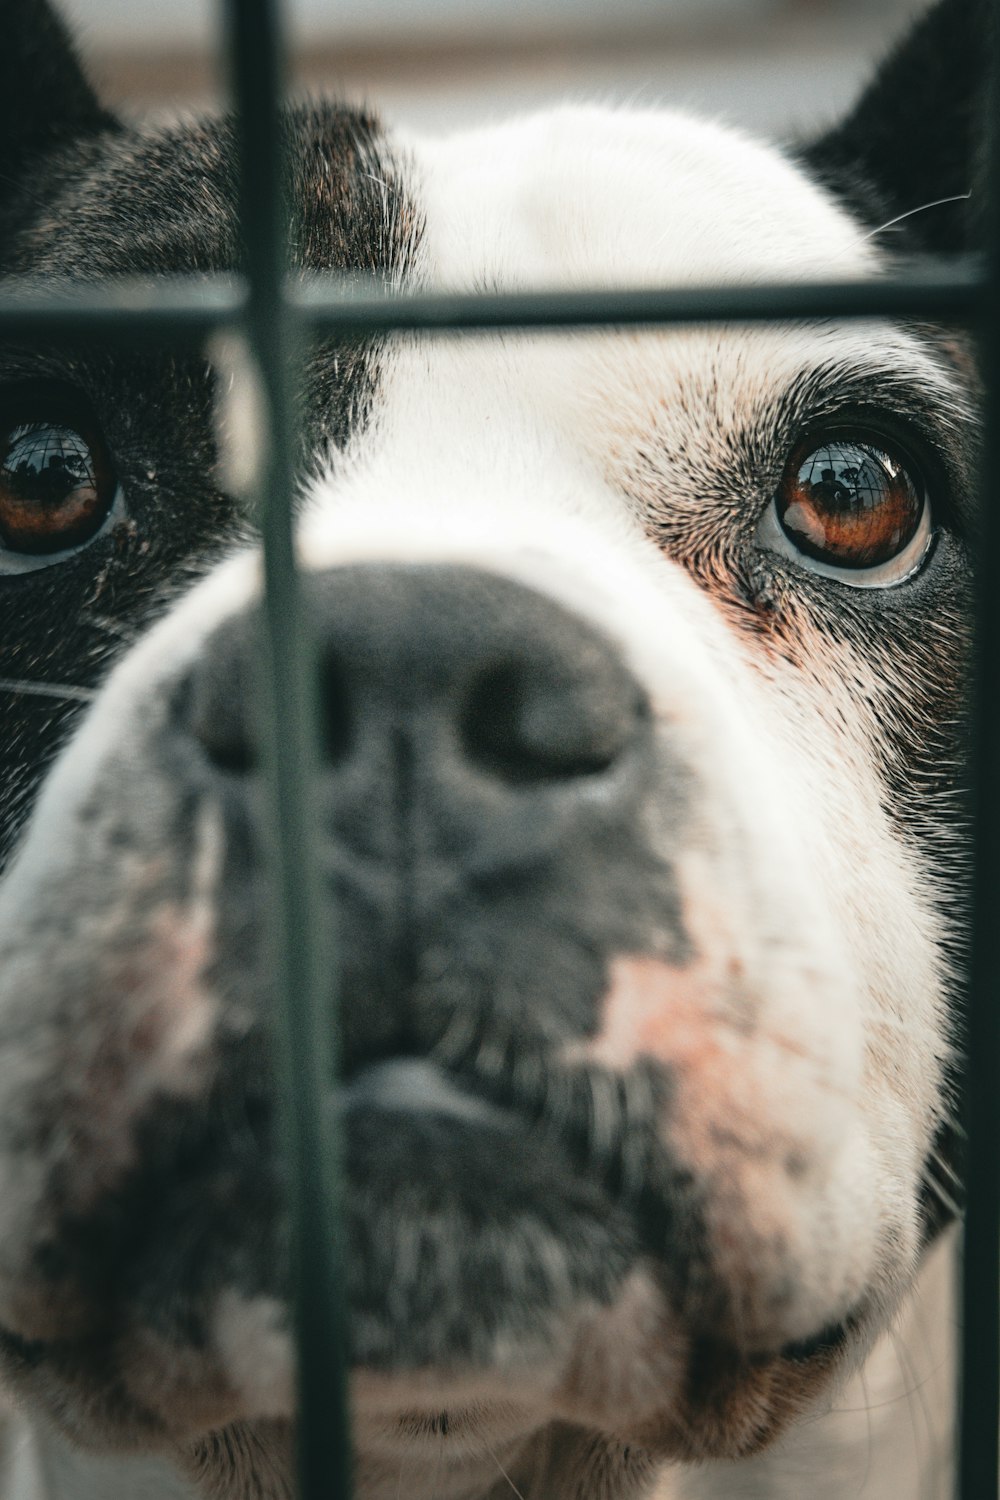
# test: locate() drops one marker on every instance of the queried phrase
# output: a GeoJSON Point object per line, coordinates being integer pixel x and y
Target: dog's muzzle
{"type": "Point", "coordinates": [480, 747]}
{"type": "Point", "coordinates": [556, 994]}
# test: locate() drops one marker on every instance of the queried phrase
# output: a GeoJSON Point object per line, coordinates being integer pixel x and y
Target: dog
{"type": "Point", "coordinates": [643, 664]}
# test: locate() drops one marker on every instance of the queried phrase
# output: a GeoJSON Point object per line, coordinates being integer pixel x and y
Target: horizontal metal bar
{"type": "Point", "coordinates": [950, 292]}
{"type": "Point", "coordinates": [175, 309]}
{"type": "Point", "coordinates": [187, 309]}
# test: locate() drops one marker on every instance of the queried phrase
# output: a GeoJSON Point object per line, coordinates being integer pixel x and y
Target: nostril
{"type": "Point", "coordinates": [523, 724]}
{"type": "Point", "coordinates": [219, 705]}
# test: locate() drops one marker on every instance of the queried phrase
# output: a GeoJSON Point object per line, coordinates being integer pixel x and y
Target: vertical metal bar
{"type": "Point", "coordinates": [305, 1017]}
{"type": "Point", "coordinates": [978, 1468]}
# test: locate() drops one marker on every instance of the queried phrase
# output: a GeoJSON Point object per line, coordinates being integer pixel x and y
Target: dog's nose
{"type": "Point", "coordinates": [477, 676]}
{"type": "Point", "coordinates": [487, 763]}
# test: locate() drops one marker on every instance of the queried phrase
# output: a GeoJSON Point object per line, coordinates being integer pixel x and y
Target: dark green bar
{"type": "Point", "coordinates": [177, 311]}
{"type": "Point", "coordinates": [188, 309]}
{"type": "Point", "coordinates": [306, 1011]}
{"type": "Point", "coordinates": [944, 292]}
{"type": "Point", "coordinates": [978, 1470]}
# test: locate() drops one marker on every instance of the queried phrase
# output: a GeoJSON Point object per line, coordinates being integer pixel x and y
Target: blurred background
{"type": "Point", "coordinates": [774, 66]}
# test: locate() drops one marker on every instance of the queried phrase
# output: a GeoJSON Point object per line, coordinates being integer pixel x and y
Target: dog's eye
{"type": "Point", "coordinates": [57, 484]}
{"type": "Point", "coordinates": [853, 508]}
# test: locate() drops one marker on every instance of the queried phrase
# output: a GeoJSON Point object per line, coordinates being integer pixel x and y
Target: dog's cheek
{"type": "Point", "coordinates": [675, 1397]}
{"type": "Point", "coordinates": [761, 1132]}
{"type": "Point", "coordinates": [842, 711]}
{"type": "Point", "coordinates": [102, 1406]}
{"type": "Point", "coordinates": [95, 1038]}
{"type": "Point", "coordinates": [109, 1018]}
{"type": "Point", "coordinates": [625, 1358]}
{"type": "Point", "coordinates": [841, 702]}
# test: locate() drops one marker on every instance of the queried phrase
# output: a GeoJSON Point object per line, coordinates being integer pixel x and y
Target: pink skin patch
{"type": "Point", "coordinates": [749, 1117]}
{"type": "Point", "coordinates": [657, 1010]}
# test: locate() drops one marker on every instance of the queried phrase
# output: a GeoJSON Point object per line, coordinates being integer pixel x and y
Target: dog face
{"type": "Point", "coordinates": [641, 683]}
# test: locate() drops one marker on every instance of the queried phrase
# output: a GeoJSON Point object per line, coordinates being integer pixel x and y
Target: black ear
{"type": "Point", "coordinates": [45, 100]}
{"type": "Point", "coordinates": [917, 134]}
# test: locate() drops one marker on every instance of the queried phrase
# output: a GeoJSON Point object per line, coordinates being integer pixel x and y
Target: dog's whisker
{"type": "Point", "coordinates": [916, 1402]}
{"type": "Point", "coordinates": [558, 1101]}
{"type": "Point", "coordinates": [67, 691]}
{"type": "Point", "coordinates": [951, 1121]}
{"type": "Point", "coordinates": [605, 1116]}
{"type": "Point", "coordinates": [113, 628]}
{"type": "Point", "coordinates": [911, 212]}
{"type": "Point", "coordinates": [890, 1401]}
{"type": "Point", "coordinates": [943, 1196]}
{"type": "Point", "coordinates": [944, 1166]}
{"type": "Point", "coordinates": [439, 1465]}
{"type": "Point", "coordinates": [639, 1110]}
{"type": "Point", "coordinates": [501, 1468]}
{"type": "Point", "coordinates": [455, 1042]}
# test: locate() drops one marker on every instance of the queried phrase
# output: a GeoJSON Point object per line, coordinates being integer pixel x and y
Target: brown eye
{"type": "Point", "coordinates": [57, 485]}
{"type": "Point", "coordinates": [851, 502]}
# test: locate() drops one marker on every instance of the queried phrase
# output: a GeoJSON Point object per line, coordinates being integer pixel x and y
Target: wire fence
{"type": "Point", "coordinates": [275, 317]}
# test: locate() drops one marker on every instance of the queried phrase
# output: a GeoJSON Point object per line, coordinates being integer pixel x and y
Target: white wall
{"type": "Point", "coordinates": [773, 66]}
{"type": "Point", "coordinates": [121, 21]}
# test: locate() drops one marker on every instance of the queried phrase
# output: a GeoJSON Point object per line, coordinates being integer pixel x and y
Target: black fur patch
{"type": "Point", "coordinates": [917, 135]}
{"type": "Point", "coordinates": [81, 194]}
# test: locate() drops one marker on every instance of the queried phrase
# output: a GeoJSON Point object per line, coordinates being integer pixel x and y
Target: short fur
{"type": "Point", "coordinates": [641, 835]}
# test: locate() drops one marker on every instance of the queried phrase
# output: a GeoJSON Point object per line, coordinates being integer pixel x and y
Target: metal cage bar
{"type": "Point", "coordinates": [187, 309]}
{"type": "Point", "coordinates": [978, 1466]}
{"type": "Point", "coordinates": [306, 1022]}
{"type": "Point", "coordinates": [272, 313]}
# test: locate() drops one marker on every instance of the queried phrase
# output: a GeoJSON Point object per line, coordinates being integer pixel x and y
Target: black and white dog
{"type": "Point", "coordinates": [643, 665]}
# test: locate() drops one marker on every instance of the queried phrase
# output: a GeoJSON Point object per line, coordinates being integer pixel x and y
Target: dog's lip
{"type": "Point", "coordinates": [415, 1085]}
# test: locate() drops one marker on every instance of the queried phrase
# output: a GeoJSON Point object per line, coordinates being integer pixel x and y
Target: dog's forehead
{"type": "Point", "coordinates": [598, 196]}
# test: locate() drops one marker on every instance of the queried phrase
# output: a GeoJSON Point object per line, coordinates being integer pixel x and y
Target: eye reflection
{"type": "Point", "coordinates": [45, 464]}
{"type": "Point", "coordinates": [56, 486]}
{"type": "Point", "coordinates": [849, 502]}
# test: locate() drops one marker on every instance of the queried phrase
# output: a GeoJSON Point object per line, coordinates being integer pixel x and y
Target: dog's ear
{"type": "Point", "coordinates": [917, 134]}
{"type": "Point", "coordinates": [45, 99]}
